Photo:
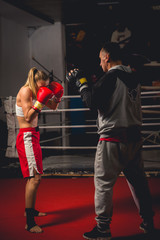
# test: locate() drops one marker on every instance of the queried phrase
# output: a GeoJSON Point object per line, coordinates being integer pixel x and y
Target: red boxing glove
{"type": "Point", "coordinates": [57, 90]}
{"type": "Point", "coordinates": [43, 96]}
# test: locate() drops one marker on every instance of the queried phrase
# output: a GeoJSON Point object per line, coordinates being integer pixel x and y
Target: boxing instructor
{"type": "Point", "coordinates": [116, 97]}
{"type": "Point", "coordinates": [31, 98]}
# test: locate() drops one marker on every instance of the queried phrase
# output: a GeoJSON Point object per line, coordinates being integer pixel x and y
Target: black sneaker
{"type": "Point", "coordinates": [96, 234]}
{"type": "Point", "coordinates": [147, 227]}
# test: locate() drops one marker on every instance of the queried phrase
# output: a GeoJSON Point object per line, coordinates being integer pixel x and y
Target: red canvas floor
{"type": "Point", "coordinates": [69, 203]}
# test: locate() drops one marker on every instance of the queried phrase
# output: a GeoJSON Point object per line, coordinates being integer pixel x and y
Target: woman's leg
{"type": "Point", "coordinates": [30, 199]}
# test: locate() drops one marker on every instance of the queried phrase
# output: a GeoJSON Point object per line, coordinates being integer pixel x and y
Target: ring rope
{"type": "Point", "coordinates": [92, 126]}
{"type": "Point", "coordinates": [151, 106]}
{"type": "Point", "coordinates": [150, 87]}
{"type": "Point", "coordinates": [151, 111]}
{"type": "Point", "coordinates": [87, 109]}
{"type": "Point", "coordinates": [53, 139]}
{"type": "Point", "coordinates": [68, 126]}
{"type": "Point", "coordinates": [89, 147]}
{"type": "Point", "coordinates": [143, 132]}
{"type": "Point", "coordinates": [65, 110]}
{"type": "Point", "coordinates": [151, 92]}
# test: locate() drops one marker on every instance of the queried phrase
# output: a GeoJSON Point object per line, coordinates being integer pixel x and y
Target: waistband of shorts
{"type": "Point", "coordinates": [29, 129]}
{"type": "Point", "coordinates": [110, 139]}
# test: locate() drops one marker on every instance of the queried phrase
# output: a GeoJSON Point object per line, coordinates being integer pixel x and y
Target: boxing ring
{"type": "Point", "coordinates": [81, 156]}
{"type": "Point", "coordinates": [148, 109]}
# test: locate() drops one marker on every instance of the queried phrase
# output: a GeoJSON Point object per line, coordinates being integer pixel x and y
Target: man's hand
{"type": "Point", "coordinates": [77, 79]}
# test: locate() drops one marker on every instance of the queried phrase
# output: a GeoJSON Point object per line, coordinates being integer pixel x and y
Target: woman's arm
{"type": "Point", "coordinates": [52, 104]}
{"type": "Point", "coordinates": [26, 101]}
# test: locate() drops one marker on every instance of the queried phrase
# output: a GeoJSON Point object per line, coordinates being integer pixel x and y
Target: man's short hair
{"type": "Point", "coordinates": [113, 49]}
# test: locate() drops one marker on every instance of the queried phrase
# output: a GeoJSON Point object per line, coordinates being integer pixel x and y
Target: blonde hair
{"type": "Point", "coordinates": [33, 76]}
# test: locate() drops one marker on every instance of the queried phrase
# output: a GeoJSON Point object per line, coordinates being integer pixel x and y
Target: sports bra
{"type": "Point", "coordinates": [19, 111]}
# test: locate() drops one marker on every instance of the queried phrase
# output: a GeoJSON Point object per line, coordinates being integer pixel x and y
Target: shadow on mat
{"type": "Point", "coordinates": [68, 215]}
{"type": "Point", "coordinates": [155, 236]}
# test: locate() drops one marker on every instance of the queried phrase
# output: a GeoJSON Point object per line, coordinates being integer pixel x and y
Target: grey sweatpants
{"type": "Point", "coordinates": [110, 160]}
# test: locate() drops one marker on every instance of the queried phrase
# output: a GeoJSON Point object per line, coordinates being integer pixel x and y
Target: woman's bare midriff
{"type": "Point", "coordinates": [24, 124]}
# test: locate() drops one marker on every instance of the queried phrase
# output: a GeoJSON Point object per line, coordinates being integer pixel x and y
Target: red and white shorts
{"type": "Point", "coordinates": [29, 151]}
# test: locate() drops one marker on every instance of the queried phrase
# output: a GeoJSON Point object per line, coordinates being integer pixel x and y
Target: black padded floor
{"type": "Point", "coordinates": [76, 164]}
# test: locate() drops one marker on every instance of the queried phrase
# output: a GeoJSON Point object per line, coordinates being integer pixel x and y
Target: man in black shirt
{"type": "Point", "coordinates": [116, 97]}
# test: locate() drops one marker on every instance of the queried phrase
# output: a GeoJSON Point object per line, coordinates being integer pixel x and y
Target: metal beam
{"type": "Point", "coordinates": [19, 4]}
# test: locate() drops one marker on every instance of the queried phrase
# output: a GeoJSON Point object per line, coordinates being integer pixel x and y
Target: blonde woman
{"type": "Point", "coordinates": [31, 98]}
